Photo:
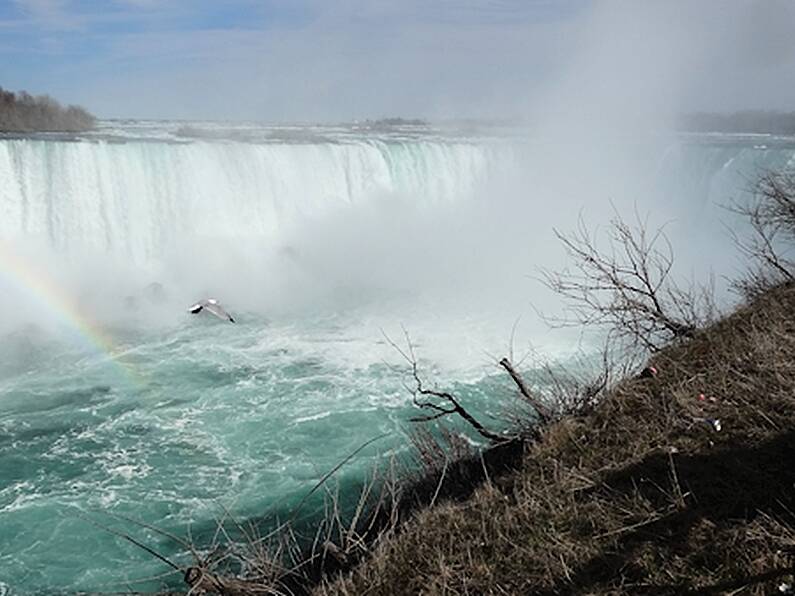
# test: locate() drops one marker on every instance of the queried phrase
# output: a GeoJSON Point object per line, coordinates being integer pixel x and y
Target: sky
{"type": "Point", "coordinates": [334, 60]}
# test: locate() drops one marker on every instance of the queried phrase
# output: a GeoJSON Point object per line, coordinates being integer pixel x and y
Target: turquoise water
{"type": "Point", "coordinates": [174, 427]}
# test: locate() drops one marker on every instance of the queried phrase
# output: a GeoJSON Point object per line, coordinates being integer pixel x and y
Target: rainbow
{"type": "Point", "coordinates": [35, 282]}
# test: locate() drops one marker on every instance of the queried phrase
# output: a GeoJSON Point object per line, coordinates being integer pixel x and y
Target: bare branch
{"type": "Point", "coordinates": [440, 403]}
{"type": "Point", "coordinates": [771, 213]}
{"type": "Point", "coordinates": [543, 412]}
{"type": "Point", "coordinates": [627, 287]}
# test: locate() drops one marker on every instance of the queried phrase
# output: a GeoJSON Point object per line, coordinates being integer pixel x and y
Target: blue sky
{"type": "Point", "coordinates": [341, 59]}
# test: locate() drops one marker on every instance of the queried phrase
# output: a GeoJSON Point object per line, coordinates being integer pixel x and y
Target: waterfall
{"type": "Point", "coordinates": [138, 199]}
{"type": "Point", "coordinates": [134, 199]}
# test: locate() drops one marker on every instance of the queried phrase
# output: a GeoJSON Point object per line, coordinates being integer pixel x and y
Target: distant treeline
{"type": "Point", "coordinates": [23, 112]}
{"type": "Point", "coordinates": [749, 121]}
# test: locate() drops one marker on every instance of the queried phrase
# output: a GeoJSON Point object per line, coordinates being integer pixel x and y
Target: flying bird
{"type": "Point", "coordinates": [211, 306]}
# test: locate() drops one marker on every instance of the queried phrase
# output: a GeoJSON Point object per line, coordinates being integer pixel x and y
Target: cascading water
{"type": "Point", "coordinates": [113, 400]}
{"type": "Point", "coordinates": [136, 198]}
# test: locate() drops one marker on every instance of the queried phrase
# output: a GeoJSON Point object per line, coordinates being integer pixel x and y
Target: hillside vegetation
{"type": "Point", "coordinates": [644, 495]}
{"type": "Point", "coordinates": [22, 112]}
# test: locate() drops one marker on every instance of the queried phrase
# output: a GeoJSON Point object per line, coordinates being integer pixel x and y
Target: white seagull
{"type": "Point", "coordinates": [211, 306]}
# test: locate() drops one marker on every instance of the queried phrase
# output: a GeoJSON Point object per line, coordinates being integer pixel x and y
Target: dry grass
{"type": "Point", "coordinates": [642, 495]}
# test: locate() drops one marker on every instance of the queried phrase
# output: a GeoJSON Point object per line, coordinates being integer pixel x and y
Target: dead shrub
{"type": "Point", "coordinates": [769, 249]}
{"type": "Point", "coordinates": [627, 287]}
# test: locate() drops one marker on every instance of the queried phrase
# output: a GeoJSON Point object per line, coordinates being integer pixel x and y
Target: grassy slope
{"type": "Point", "coordinates": [639, 496]}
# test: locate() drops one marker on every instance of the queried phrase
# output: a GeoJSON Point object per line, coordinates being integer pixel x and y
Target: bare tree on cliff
{"type": "Point", "coordinates": [771, 246]}
{"type": "Point", "coordinates": [626, 286]}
